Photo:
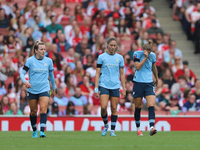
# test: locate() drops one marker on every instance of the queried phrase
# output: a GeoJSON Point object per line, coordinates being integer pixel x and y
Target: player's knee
{"type": "Point", "coordinates": [43, 110]}
{"type": "Point", "coordinates": [33, 112]}
{"type": "Point", "coordinates": [114, 109]}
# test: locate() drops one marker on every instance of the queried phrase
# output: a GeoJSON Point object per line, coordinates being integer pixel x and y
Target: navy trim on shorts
{"type": "Point", "coordinates": [110, 92]}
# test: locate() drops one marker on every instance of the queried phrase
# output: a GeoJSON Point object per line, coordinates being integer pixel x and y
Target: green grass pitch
{"type": "Point", "coordinates": [92, 140]}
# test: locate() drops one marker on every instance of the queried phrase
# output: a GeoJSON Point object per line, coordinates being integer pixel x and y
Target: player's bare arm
{"type": "Point", "coordinates": [123, 82]}
{"type": "Point", "coordinates": [98, 71]}
{"type": "Point", "coordinates": [155, 72]}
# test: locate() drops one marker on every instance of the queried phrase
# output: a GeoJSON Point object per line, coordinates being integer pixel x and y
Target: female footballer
{"type": "Point", "coordinates": [107, 84]}
{"type": "Point", "coordinates": [40, 68]}
{"type": "Point", "coordinates": [144, 86]}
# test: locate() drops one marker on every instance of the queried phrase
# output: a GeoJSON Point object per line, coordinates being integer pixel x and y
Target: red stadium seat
{"type": "Point", "coordinates": [127, 44]}
{"type": "Point", "coordinates": [52, 35]}
{"type": "Point", "coordinates": [79, 109]}
{"type": "Point", "coordinates": [3, 31]}
{"type": "Point", "coordinates": [58, 11]}
{"type": "Point", "coordinates": [62, 108]}
{"type": "Point", "coordinates": [64, 54]}
{"type": "Point", "coordinates": [64, 23]}
{"type": "Point", "coordinates": [95, 108]}
{"type": "Point", "coordinates": [8, 81]}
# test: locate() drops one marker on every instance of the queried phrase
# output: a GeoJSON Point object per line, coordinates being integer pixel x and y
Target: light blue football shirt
{"type": "Point", "coordinates": [144, 75]}
{"type": "Point", "coordinates": [39, 73]}
{"type": "Point", "coordinates": [109, 76]}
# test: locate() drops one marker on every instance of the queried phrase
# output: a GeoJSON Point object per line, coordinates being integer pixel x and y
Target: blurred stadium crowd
{"type": "Point", "coordinates": [75, 34]}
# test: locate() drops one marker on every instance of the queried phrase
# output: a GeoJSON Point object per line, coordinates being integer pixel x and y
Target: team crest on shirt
{"type": "Point", "coordinates": [45, 64]}
{"type": "Point", "coordinates": [117, 60]}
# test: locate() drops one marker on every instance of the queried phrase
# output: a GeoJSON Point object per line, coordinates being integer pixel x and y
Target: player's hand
{"type": "Point", "coordinates": [96, 95]}
{"type": "Point", "coordinates": [146, 53]}
{"type": "Point", "coordinates": [123, 93]}
{"type": "Point", "coordinates": [27, 84]}
{"type": "Point", "coordinates": [156, 82]}
{"type": "Point", "coordinates": [53, 93]}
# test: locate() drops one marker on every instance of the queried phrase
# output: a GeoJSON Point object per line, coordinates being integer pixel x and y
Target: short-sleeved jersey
{"type": "Point", "coordinates": [110, 65]}
{"type": "Point", "coordinates": [144, 75]}
{"type": "Point", "coordinates": [38, 74]}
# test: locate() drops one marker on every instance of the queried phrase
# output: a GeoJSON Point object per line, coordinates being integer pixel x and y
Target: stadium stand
{"type": "Point", "coordinates": [80, 39]}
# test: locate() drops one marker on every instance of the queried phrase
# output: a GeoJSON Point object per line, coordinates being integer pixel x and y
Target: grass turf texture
{"type": "Point", "coordinates": [94, 141]}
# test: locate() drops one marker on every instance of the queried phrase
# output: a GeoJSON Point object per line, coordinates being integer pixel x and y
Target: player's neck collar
{"type": "Point", "coordinates": [110, 54]}
{"type": "Point", "coordinates": [37, 58]}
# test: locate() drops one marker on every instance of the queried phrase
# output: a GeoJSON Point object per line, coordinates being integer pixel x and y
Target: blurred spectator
{"type": "Point", "coordinates": [181, 71]}
{"type": "Point", "coordinates": [154, 29]}
{"type": "Point", "coordinates": [128, 17]}
{"type": "Point", "coordinates": [176, 87]}
{"type": "Point", "coordinates": [87, 110]}
{"type": "Point", "coordinates": [74, 40]}
{"type": "Point", "coordinates": [82, 46]}
{"type": "Point", "coordinates": [31, 21]}
{"type": "Point", "coordinates": [131, 76]}
{"type": "Point", "coordinates": [12, 44]}
{"type": "Point", "coordinates": [173, 105]}
{"type": "Point", "coordinates": [92, 70]}
{"type": "Point", "coordinates": [185, 97]}
{"type": "Point", "coordinates": [78, 99]}
{"type": "Point", "coordinates": [86, 88]}
{"type": "Point", "coordinates": [46, 18]}
{"type": "Point", "coordinates": [164, 98]}
{"type": "Point", "coordinates": [55, 109]}
{"type": "Point", "coordinates": [14, 110]}
{"type": "Point", "coordinates": [5, 104]}
{"type": "Point", "coordinates": [69, 29]}
{"type": "Point", "coordinates": [91, 10]}
{"type": "Point", "coordinates": [109, 27]}
{"type": "Point", "coordinates": [78, 71]}
{"type": "Point", "coordinates": [23, 100]}
{"type": "Point", "coordinates": [101, 19]}
{"type": "Point", "coordinates": [122, 28]}
{"type": "Point", "coordinates": [2, 87]}
{"type": "Point", "coordinates": [89, 61]}
{"type": "Point", "coordinates": [8, 70]}
{"type": "Point", "coordinates": [27, 48]}
{"type": "Point", "coordinates": [25, 34]}
{"type": "Point", "coordinates": [60, 97]}
{"type": "Point", "coordinates": [191, 104]}
{"type": "Point", "coordinates": [70, 110]}
{"type": "Point", "coordinates": [177, 64]}
{"type": "Point", "coordinates": [168, 78]}
{"type": "Point", "coordinates": [196, 85]}
{"type": "Point", "coordinates": [70, 58]}
{"type": "Point", "coordinates": [53, 27]}
{"type": "Point", "coordinates": [63, 45]}
{"type": "Point", "coordinates": [190, 80]}
{"type": "Point", "coordinates": [58, 4]}
{"type": "Point", "coordinates": [85, 28]}
{"type": "Point", "coordinates": [79, 14]}
{"type": "Point", "coordinates": [65, 16]}
{"type": "Point", "coordinates": [134, 47]}
{"type": "Point", "coordinates": [4, 20]}
{"type": "Point", "coordinates": [170, 54]}
{"type": "Point", "coordinates": [56, 40]}
{"type": "Point", "coordinates": [70, 89]}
